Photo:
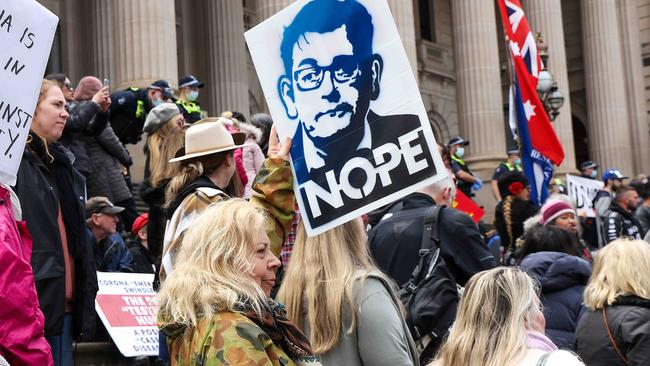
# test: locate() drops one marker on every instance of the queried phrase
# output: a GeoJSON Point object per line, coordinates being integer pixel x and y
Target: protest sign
{"type": "Point", "coordinates": [465, 204]}
{"type": "Point", "coordinates": [582, 192]}
{"type": "Point", "coordinates": [26, 34]}
{"type": "Point", "coordinates": [126, 303]}
{"type": "Point", "coordinates": [337, 80]}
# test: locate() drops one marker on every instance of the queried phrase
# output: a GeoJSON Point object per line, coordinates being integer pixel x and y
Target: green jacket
{"type": "Point", "coordinates": [227, 338]}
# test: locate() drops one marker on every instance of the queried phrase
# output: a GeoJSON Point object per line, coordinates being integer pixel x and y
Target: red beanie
{"type": "Point", "coordinates": [139, 223]}
{"type": "Point", "coordinates": [553, 209]}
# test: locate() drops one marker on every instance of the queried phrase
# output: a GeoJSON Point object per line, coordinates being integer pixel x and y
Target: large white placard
{"type": "Point", "coordinates": [126, 303]}
{"type": "Point", "coordinates": [26, 34]}
{"type": "Point", "coordinates": [337, 80]}
{"type": "Point", "coordinates": [582, 192]}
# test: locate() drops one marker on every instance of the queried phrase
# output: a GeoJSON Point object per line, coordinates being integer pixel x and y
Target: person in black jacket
{"type": "Point", "coordinates": [620, 220]}
{"type": "Point", "coordinates": [551, 259]}
{"type": "Point", "coordinates": [51, 193]}
{"type": "Point", "coordinates": [395, 241]}
{"type": "Point", "coordinates": [615, 330]}
{"type": "Point", "coordinates": [514, 208]}
{"type": "Point", "coordinates": [143, 261]}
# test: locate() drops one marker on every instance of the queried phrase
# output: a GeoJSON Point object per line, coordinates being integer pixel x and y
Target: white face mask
{"type": "Point", "coordinates": [192, 95]}
{"type": "Point", "coordinates": [460, 152]}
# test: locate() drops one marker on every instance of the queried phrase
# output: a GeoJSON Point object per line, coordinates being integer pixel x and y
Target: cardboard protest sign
{"type": "Point", "coordinates": [126, 303]}
{"type": "Point", "coordinates": [467, 205]}
{"type": "Point", "coordinates": [582, 192]}
{"type": "Point", "coordinates": [26, 34]}
{"type": "Point", "coordinates": [337, 80]}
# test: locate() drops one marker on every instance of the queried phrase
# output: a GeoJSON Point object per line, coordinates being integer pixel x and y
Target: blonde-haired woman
{"type": "Point", "coordinates": [499, 323]}
{"type": "Point", "coordinates": [346, 306]}
{"type": "Point", "coordinates": [215, 307]}
{"type": "Point", "coordinates": [615, 330]}
{"type": "Point", "coordinates": [51, 194]}
{"type": "Point", "coordinates": [164, 128]}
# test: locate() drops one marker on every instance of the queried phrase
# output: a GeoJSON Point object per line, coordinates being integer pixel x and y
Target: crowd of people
{"type": "Point", "coordinates": [239, 281]}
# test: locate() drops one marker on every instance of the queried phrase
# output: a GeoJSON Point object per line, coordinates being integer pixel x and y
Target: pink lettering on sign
{"type": "Point", "coordinates": [129, 310]}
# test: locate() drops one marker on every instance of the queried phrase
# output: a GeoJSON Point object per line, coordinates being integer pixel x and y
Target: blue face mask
{"type": "Point", "coordinates": [594, 174]}
{"type": "Point", "coordinates": [518, 161]}
{"type": "Point", "coordinates": [192, 95]}
{"type": "Point", "coordinates": [460, 152]}
{"type": "Point", "coordinates": [156, 102]}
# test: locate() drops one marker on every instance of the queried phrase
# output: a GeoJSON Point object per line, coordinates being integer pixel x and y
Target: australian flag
{"type": "Point", "coordinates": [540, 147]}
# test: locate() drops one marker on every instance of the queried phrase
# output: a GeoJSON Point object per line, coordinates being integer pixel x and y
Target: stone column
{"type": "Point", "coordinates": [267, 8]}
{"type": "Point", "coordinates": [628, 20]}
{"type": "Point", "coordinates": [144, 34]}
{"type": "Point", "coordinates": [545, 16]}
{"type": "Point", "coordinates": [404, 19]}
{"type": "Point", "coordinates": [480, 104]}
{"type": "Point", "coordinates": [609, 129]}
{"type": "Point", "coordinates": [228, 85]}
{"type": "Point", "coordinates": [104, 61]}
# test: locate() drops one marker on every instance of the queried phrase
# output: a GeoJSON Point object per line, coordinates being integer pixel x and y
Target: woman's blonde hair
{"type": "Point", "coordinates": [45, 86]}
{"type": "Point", "coordinates": [620, 268]}
{"type": "Point", "coordinates": [491, 324]}
{"type": "Point", "coordinates": [215, 255]}
{"type": "Point", "coordinates": [162, 145]}
{"type": "Point", "coordinates": [325, 270]}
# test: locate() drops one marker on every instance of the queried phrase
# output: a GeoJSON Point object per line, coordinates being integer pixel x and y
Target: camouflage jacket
{"type": "Point", "coordinates": [228, 338]}
{"type": "Point", "coordinates": [273, 188]}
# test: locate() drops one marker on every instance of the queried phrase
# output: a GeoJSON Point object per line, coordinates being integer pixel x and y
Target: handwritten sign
{"type": "Point", "coordinates": [582, 192]}
{"type": "Point", "coordinates": [126, 303]}
{"type": "Point", "coordinates": [337, 80]}
{"type": "Point", "coordinates": [26, 34]}
{"type": "Point", "coordinates": [465, 204]}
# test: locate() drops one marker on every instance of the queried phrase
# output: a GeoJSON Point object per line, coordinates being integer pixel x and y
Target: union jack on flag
{"type": "Point", "coordinates": [540, 147]}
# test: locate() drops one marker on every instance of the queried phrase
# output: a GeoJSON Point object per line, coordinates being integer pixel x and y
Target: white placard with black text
{"type": "Point", "coordinates": [582, 192]}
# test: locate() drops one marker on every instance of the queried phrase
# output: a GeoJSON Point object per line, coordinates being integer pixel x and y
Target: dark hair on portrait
{"type": "Point", "coordinates": [548, 238]}
{"type": "Point", "coordinates": [322, 16]}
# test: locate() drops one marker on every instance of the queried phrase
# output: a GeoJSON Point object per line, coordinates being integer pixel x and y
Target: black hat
{"type": "Point", "coordinates": [588, 165]}
{"type": "Point", "coordinates": [190, 81]}
{"type": "Point", "coordinates": [103, 205]}
{"type": "Point", "coordinates": [457, 141]}
{"type": "Point", "coordinates": [511, 182]}
{"type": "Point", "coordinates": [513, 150]}
{"type": "Point", "coordinates": [165, 87]}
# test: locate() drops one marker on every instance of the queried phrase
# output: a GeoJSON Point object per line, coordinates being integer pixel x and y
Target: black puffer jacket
{"type": "Point", "coordinates": [43, 187]}
{"type": "Point", "coordinates": [82, 122]}
{"type": "Point", "coordinates": [629, 323]}
{"type": "Point", "coordinates": [562, 278]}
{"type": "Point", "coordinates": [107, 156]}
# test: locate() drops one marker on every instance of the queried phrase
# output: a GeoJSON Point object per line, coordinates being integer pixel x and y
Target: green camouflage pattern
{"type": "Point", "coordinates": [273, 191]}
{"type": "Point", "coordinates": [228, 338]}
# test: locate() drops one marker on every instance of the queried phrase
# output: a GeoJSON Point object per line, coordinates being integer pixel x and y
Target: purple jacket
{"type": "Point", "coordinates": [22, 341]}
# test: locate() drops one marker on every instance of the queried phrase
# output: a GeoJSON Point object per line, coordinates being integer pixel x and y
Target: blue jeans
{"type": "Point", "coordinates": [62, 344]}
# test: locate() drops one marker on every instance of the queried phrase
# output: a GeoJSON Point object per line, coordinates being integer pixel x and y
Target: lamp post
{"type": "Point", "coordinates": [547, 88]}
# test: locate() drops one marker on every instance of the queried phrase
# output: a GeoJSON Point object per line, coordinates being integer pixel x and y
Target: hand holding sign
{"type": "Point", "coordinates": [26, 34]}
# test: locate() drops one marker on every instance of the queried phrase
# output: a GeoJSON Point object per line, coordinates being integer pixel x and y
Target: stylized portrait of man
{"type": "Point", "coordinates": [331, 77]}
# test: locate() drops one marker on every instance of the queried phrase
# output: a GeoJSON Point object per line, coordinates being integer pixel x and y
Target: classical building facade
{"type": "Point", "coordinates": [599, 56]}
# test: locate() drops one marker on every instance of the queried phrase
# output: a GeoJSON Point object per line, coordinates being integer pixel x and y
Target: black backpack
{"type": "Point", "coordinates": [431, 294]}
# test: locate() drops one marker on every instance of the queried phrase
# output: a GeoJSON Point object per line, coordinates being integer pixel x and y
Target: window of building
{"type": "Point", "coordinates": [427, 25]}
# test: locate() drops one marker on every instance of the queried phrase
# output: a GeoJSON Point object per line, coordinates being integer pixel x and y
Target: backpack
{"type": "Point", "coordinates": [431, 294]}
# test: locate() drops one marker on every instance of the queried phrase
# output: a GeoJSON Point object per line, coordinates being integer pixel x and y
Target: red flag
{"type": "Point", "coordinates": [528, 64]}
{"type": "Point", "coordinates": [465, 204]}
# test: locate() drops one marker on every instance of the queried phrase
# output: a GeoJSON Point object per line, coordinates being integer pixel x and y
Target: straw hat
{"type": "Point", "coordinates": [208, 136]}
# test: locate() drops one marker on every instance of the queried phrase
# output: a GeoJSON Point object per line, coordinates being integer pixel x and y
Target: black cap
{"type": "Point", "coordinates": [457, 141]}
{"type": "Point", "coordinates": [165, 87]}
{"type": "Point", "coordinates": [513, 150]}
{"type": "Point", "coordinates": [588, 165]}
{"type": "Point", "coordinates": [190, 81]}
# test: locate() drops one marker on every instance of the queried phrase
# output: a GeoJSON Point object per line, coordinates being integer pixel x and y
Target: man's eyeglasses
{"type": "Point", "coordinates": [69, 86]}
{"type": "Point", "coordinates": [311, 77]}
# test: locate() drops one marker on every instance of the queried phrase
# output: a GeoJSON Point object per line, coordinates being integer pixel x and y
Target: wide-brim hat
{"type": "Point", "coordinates": [208, 136]}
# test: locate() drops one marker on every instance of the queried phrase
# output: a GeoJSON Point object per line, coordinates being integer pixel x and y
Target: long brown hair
{"type": "Point", "coordinates": [190, 170]}
{"type": "Point", "coordinates": [163, 144]}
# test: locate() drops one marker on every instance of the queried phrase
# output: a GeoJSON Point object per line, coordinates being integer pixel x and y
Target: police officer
{"type": "Point", "coordinates": [129, 109]}
{"type": "Point", "coordinates": [589, 170]}
{"type": "Point", "coordinates": [465, 180]}
{"type": "Point", "coordinates": [513, 163]}
{"type": "Point", "coordinates": [188, 88]}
